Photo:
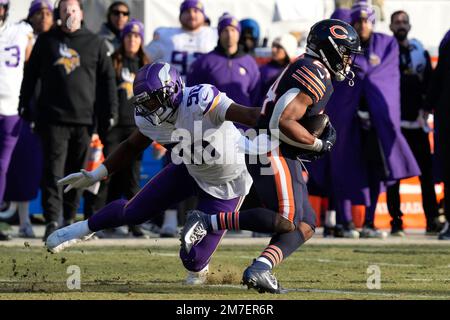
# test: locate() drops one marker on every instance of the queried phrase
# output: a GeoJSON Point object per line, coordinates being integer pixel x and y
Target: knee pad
{"type": "Point", "coordinates": [283, 225]}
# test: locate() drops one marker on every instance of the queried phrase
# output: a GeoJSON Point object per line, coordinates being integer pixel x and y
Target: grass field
{"type": "Point", "coordinates": [314, 272]}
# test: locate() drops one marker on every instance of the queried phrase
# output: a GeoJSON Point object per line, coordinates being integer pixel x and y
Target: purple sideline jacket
{"type": "Point", "coordinates": [237, 75]}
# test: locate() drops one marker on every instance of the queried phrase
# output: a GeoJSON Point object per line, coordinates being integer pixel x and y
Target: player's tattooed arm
{"type": "Point", "coordinates": [127, 151]}
{"type": "Point", "coordinates": [244, 115]}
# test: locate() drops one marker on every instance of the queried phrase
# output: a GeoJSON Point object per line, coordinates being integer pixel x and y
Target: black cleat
{"type": "Point", "coordinates": [194, 230]}
{"type": "Point", "coordinates": [262, 280]}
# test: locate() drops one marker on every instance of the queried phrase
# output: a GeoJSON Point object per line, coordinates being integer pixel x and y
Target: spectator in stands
{"type": "Point", "coordinates": [284, 50]}
{"type": "Point", "coordinates": [415, 73]}
{"type": "Point", "coordinates": [228, 67]}
{"type": "Point", "coordinates": [69, 60]}
{"type": "Point", "coordinates": [127, 60]}
{"type": "Point", "coordinates": [180, 47]}
{"type": "Point", "coordinates": [116, 19]}
{"type": "Point", "coordinates": [370, 149]}
{"type": "Point", "coordinates": [439, 97]}
{"type": "Point", "coordinates": [249, 39]}
{"type": "Point", "coordinates": [24, 176]}
{"type": "Point", "coordinates": [17, 41]}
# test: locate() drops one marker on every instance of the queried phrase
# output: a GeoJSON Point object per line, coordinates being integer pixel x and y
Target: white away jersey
{"type": "Point", "coordinates": [179, 47]}
{"type": "Point", "coordinates": [217, 164]}
{"type": "Point", "coordinates": [14, 40]}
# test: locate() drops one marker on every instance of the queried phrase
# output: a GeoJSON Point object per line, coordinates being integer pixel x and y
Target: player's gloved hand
{"type": "Point", "coordinates": [328, 138]}
{"type": "Point", "coordinates": [83, 179]}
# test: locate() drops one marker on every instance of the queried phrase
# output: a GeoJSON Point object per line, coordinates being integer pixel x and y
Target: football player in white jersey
{"type": "Point", "coordinates": [180, 46]}
{"type": "Point", "coordinates": [200, 117]}
{"type": "Point", "coordinates": [15, 48]}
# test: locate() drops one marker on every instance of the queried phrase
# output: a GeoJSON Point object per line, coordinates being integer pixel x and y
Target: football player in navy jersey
{"type": "Point", "coordinates": [301, 91]}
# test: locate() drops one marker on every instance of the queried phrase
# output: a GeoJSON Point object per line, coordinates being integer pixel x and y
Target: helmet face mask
{"type": "Point", "coordinates": [158, 92]}
{"type": "Point", "coordinates": [335, 43]}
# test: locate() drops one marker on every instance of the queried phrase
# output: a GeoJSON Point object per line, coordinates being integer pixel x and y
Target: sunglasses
{"type": "Point", "coordinates": [118, 13]}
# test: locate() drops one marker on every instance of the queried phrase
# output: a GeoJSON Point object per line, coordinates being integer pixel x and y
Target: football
{"type": "Point", "coordinates": [315, 124]}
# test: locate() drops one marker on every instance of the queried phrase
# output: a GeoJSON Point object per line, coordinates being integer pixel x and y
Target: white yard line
{"type": "Point", "coordinates": [357, 293]}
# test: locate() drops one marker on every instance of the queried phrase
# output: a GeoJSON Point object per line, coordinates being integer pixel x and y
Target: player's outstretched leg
{"type": "Point", "coordinates": [156, 196]}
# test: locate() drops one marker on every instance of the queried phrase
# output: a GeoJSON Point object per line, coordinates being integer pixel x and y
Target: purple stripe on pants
{"type": "Point", "coordinates": [9, 134]}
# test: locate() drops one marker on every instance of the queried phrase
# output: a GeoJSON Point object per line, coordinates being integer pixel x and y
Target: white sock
{"type": "Point", "coordinates": [24, 213]}
{"type": "Point", "coordinates": [265, 261]}
{"type": "Point", "coordinates": [214, 218]}
{"type": "Point", "coordinates": [330, 218]}
{"type": "Point", "coordinates": [170, 218]}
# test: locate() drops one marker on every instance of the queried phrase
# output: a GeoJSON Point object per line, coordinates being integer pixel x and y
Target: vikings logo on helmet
{"type": "Point", "coordinates": [70, 59]}
{"type": "Point", "coordinates": [127, 84]}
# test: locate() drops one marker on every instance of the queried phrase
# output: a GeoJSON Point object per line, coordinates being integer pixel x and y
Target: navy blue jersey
{"type": "Point", "coordinates": [308, 75]}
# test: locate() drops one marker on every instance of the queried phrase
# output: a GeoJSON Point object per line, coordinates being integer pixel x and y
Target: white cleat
{"type": "Point", "coordinates": [68, 236]}
{"type": "Point", "coordinates": [197, 278]}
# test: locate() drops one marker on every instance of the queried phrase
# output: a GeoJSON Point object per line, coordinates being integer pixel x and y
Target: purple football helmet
{"type": "Point", "coordinates": [158, 91]}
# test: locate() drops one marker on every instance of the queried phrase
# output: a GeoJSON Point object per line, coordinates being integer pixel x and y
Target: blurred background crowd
{"type": "Point", "coordinates": [66, 80]}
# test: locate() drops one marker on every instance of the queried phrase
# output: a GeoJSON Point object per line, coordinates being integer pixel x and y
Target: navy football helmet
{"type": "Point", "coordinates": [335, 43]}
{"type": "Point", "coordinates": [158, 92]}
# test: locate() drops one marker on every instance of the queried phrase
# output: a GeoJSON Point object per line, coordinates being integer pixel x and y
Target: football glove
{"type": "Point", "coordinates": [83, 179]}
{"type": "Point", "coordinates": [328, 138]}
